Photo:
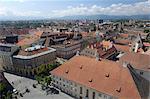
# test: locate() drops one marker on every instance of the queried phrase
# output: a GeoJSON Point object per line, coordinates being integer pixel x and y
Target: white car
{"type": "Point", "coordinates": [15, 91]}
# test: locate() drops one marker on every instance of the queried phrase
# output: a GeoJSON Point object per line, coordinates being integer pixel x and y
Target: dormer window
{"type": "Point", "coordinates": [118, 90]}
{"type": "Point", "coordinates": [81, 67]}
{"type": "Point", "coordinates": [67, 71]}
{"type": "Point", "coordinates": [107, 75]}
{"type": "Point", "coordinates": [90, 80]}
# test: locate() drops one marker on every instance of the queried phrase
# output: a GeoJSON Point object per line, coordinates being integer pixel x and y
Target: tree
{"type": "Point", "coordinates": [47, 80]}
{"type": "Point", "coordinates": [2, 87]}
{"type": "Point", "coordinates": [8, 95]}
{"type": "Point", "coordinates": [146, 31]}
{"type": "Point", "coordinates": [38, 78]}
{"type": "Point", "coordinates": [42, 69]}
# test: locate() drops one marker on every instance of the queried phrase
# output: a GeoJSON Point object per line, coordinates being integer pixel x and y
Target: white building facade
{"type": "Point", "coordinates": [77, 90]}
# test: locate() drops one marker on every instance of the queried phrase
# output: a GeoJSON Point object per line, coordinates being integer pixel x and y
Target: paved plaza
{"type": "Point", "coordinates": [22, 83]}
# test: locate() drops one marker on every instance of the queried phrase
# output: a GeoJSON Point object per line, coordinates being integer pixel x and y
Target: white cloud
{"type": "Point", "coordinates": [27, 13]}
{"type": "Point", "coordinates": [13, 0]}
{"type": "Point", "coordinates": [114, 9]}
{"type": "Point", "coordinates": [5, 11]}
{"type": "Point", "coordinates": [2, 11]}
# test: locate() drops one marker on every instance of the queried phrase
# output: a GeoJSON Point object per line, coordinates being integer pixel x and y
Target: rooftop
{"type": "Point", "coordinates": [24, 54]}
{"type": "Point", "coordinates": [104, 49]}
{"type": "Point", "coordinates": [122, 48]}
{"type": "Point", "coordinates": [66, 43]}
{"type": "Point", "coordinates": [107, 76]}
{"type": "Point", "coordinates": [122, 41]}
{"type": "Point", "coordinates": [7, 44]}
{"type": "Point", "coordinates": [137, 60]}
{"type": "Point", "coordinates": [30, 39]}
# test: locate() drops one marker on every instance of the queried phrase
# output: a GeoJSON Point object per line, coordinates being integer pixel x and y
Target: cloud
{"type": "Point", "coordinates": [13, 0]}
{"type": "Point", "coordinates": [82, 9]}
{"type": "Point", "coordinates": [114, 9]}
{"type": "Point", "coordinates": [2, 11]}
{"type": "Point", "coordinates": [5, 11]}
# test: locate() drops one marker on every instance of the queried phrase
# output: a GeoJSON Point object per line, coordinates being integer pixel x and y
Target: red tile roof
{"type": "Point", "coordinates": [123, 41]}
{"type": "Point", "coordinates": [123, 48]}
{"type": "Point", "coordinates": [119, 76]}
{"type": "Point", "coordinates": [124, 35]}
{"type": "Point", "coordinates": [146, 44]}
{"type": "Point", "coordinates": [137, 60]}
{"type": "Point", "coordinates": [29, 40]}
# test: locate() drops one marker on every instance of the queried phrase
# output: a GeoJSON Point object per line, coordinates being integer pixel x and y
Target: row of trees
{"type": "Point", "coordinates": [2, 87]}
{"type": "Point", "coordinates": [4, 94]}
{"type": "Point", "coordinates": [43, 74]}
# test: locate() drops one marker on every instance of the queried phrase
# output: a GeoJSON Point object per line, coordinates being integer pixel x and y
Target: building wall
{"type": "Point", "coordinates": [144, 74]}
{"type": "Point", "coordinates": [6, 53]}
{"type": "Point", "coordinates": [68, 51]}
{"type": "Point", "coordinates": [29, 67]}
{"type": "Point", "coordinates": [5, 61]}
{"type": "Point", "coordinates": [77, 90]}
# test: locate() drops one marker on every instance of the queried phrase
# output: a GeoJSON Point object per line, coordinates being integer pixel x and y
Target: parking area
{"type": "Point", "coordinates": [24, 86]}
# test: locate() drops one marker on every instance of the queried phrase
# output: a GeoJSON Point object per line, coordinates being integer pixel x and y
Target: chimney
{"type": "Point", "coordinates": [77, 53]}
{"type": "Point", "coordinates": [92, 46]}
{"type": "Point", "coordinates": [136, 47]}
{"type": "Point", "coordinates": [89, 46]}
{"type": "Point", "coordinates": [95, 46]}
{"type": "Point", "coordinates": [125, 64]}
{"type": "Point", "coordinates": [97, 56]}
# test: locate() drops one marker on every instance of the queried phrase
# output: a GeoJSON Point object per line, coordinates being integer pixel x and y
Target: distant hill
{"type": "Point", "coordinates": [4, 18]}
{"type": "Point", "coordinates": [93, 17]}
{"type": "Point", "coordinates": [106, 17]}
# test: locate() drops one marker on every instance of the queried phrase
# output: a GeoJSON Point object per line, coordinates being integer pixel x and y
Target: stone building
{"type": "Point", "coordinates": [6, 53]}
{"type": "Point", "coordinates": [68, 49]}
{"type": "Point", "coordinates": [104, 49]}
{"type": "Point", "coordinates": [28, 61]}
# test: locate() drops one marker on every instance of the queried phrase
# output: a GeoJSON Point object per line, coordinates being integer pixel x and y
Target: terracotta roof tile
{"type": "Point", "coordinates": [29, 40]}
{"type": "Point", "coordinates": [123, 48]}
{"type": "Point", "coordinates": [137, 60]}
{"type": "Point", "coordinates": [119, 76]}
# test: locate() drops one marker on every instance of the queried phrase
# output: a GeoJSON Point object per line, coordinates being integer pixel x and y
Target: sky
{"type": "Point", "coordinates": [60, 8]}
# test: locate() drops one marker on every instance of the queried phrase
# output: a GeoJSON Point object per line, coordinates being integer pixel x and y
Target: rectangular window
{"type": "Point", "coordinates": [93, 95]}
{"type": "Point", "coordinates": [80, 90]}
{"type": "Point", "coordinates": [87, 93]}
{"type": "Point", "coordinates": [105, 97]}
{"type": "Point", "coordinates": [100, 95]}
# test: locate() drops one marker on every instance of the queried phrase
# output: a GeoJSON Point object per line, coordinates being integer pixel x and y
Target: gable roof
{"type": "Point", "coordinates": [119, 77]}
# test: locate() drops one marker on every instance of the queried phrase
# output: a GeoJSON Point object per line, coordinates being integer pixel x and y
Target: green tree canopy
{"type": "Point", "coordinates": [2, 87]}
